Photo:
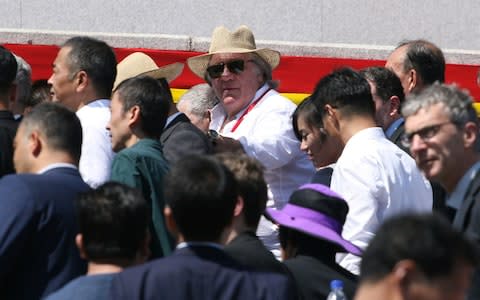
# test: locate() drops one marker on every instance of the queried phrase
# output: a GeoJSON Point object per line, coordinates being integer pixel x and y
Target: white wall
{"type": "Point", "coordinates": [448, 23]}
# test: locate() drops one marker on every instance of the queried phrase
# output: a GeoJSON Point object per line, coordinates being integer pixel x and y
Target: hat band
{"type": "Point", "coordinates": [295, 211]}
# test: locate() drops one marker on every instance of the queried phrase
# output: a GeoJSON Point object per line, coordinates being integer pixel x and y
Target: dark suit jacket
{"type": "Point", "coordinates": [8, 129]}
{"type": "Point", "coordinates": [313, 277]}
{"type": "Point", "coordinates": [397, 136]}
{"type": "Point", "coordinates": [37, 233]}
{"type": "Point", "coordinates": [198, 272]}
{"type": "Point", "coordinates": [467, 220]}
{"type": "Point", "coordinates": [181, 138]}
{"type": "Point", "coordinates": [248, 250]}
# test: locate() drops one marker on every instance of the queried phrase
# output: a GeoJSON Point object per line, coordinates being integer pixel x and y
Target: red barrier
{"type": "Point", "coordinates": [296, 74]}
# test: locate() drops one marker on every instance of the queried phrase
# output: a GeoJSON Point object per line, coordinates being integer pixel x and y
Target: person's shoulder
{"type": "Point", "coordinates": [84, 287]}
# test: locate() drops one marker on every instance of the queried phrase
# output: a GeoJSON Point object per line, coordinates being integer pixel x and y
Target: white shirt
{"type": "Point", "coordinates": [378, 180]}
{"type": "Point", "coordinates": [97, 155]}
{"type": "Point", "coordinates": [266, 133]}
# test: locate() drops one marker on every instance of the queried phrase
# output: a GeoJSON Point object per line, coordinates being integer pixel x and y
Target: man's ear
{"type": "Point", "coordinates": [133, 115]}
{"type": "Point", "coordinates": [170, 221]}
{"type": "Point", "coordinates": [80, 246]}
{"type": "Point", "coordinates": [35, 143]}
{"type": "Point", "coordinates": [414, 80]}
{"type": "Point", "coordinates": [238, 206]}
{"type": "Point", "coordinates": [82, 80]}
{"type": "Point", "coordinates": [470, 134]}
{"type": "Point", "coordinates": [394, 106]}
{"type": "Point", "coordinates": [403, 276]}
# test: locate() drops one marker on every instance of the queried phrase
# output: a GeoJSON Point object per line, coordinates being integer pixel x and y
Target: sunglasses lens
{"type": "Point", "coordinates": [215, 71]}
{"type": "Point", "coordinates": [236, 66]}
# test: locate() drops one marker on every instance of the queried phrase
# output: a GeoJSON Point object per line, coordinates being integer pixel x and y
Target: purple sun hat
{"type": "Point", "coordinates": [316, 210]}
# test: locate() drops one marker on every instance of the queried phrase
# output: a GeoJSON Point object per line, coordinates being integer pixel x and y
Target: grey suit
{"type": "Point", "coordinates": [181, 138]}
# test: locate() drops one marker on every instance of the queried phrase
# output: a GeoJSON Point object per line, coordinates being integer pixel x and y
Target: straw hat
{"type": "Point", "coordinates": [138, 63]}
{"type": "Point", "coordinates": [225, 41]}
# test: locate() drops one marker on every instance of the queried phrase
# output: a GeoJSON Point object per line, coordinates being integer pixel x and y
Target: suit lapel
{"type": "Point", "coordinates": [461, 217]}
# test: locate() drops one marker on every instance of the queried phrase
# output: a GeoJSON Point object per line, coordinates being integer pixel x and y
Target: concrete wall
{"type": "Point", "coordinates": [346, 24]}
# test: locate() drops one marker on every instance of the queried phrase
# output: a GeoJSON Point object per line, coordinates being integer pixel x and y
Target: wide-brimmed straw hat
{"type": "Point", "coordinates": [139, 63]}
{"type": "Point", "coordinates": [316, 210]}
{"type": "Point", "coordinates": [225, 41]}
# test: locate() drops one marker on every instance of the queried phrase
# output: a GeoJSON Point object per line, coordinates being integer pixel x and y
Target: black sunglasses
{"type": "Point", "coordinates": [234, 66]}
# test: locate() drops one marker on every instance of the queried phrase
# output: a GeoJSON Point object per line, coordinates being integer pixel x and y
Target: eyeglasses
{"type": "Point", "coordinates": [234, 66]}
{"type": "Point", "coordinates": [425, 134]}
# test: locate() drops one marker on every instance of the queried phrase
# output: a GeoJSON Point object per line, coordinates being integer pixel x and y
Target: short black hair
{"type": "Point", "coordinates": [309, 112]}
{"type": "Point", "coordinates": [60, 127]}
{"type": "Point", "coordinates": [425, 58]}
{"type": "Point", "coordinates": [202, 194]}
{"type": "Point", "coordinates": [113, 220]}
{"type": "Point", "coordinates": [96, 58]}
{"type": "Point", "coordinates": [346, 90]}
{"type": "Point", "coordinates": [40, 93]}
{"type": "Point", "coordinates": [8, 69]}
{"type": "Point", "coordinates": [429, 240]}
{"type": "Point", "coordinates": [251, 184]}
{"type": "Point", "coordinates": [151, 97]}
{"type": "Point", "coordinates": [386, 83]}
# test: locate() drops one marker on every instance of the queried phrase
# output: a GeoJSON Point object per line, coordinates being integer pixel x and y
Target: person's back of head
{"type": "Point", "coordinates": [386, 82]}
{"type": "Point", "coordinates": [8, 71]}
{"type": "Point", "coordinates": [425, 58]}
{"type": "Point", "coordinates": [201, 194]}
{"type": "Point", "coordinates": [345, 90]}
{"type": "Point", "coordinates": [251, 185]}
{"type": "Point", "coordinates": [420, 254]}
{"type": "Point", "coordinates": [196, 104]}
{"type": "Point", "coordinates": [58, 127]}
{"type": "Point", "coordinates": [113, 225]}
{"type": "Point", "coordinates": [40, 93]}
{"type": "Point", "coordinates": [23, 80]}
{"type": "Point", "coordinates": [96, 59]}
{"type": "Point", "coordinates": [151, 97]}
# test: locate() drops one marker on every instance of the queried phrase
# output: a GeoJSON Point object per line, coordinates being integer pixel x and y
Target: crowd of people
{"type": "Point", "coordinates": [111, 190]}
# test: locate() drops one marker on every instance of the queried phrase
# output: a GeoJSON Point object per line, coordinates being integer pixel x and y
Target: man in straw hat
{"type": "Point", "coordinates": [311, 234]}
{"type": "Point", "coordinates": [251, 116]}
{"type": "Point", "coordinates": [179, 137]}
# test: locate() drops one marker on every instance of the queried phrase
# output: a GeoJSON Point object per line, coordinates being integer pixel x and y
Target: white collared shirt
{"type": "Point", "coordinates": [97, 154]}
{"type": "Point", "coordinates": [378, 180]}
{"type": "Point", "coordinates": [56, 165]}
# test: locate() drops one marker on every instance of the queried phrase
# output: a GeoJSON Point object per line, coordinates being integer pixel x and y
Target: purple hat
{"type": "Point", "coordinates": [316, 210]}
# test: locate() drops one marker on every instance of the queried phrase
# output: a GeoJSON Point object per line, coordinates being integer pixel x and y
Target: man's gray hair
{"type": "Point", "coordinates": [457, 103]}
{"type": "Point", "coordinates": [199, 99]}
{"type": "Point", "coordinates": [23, 80]}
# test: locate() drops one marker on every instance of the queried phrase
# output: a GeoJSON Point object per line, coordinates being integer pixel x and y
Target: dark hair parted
{"type": "Point", "coordinates": [202, 194]}
{"type": "Point", "coordinates": [96, 58]}
{"type": "Point", "coordinates": [428, 240]}
{"type": "Point", "coordinates": [346, 90]}
{"type": "Point", "coordinates": [113, 220]}
{"type": "Point", "coordinates": [151, 97]}
{"type": "Point", "coordinates": [60, 127]}
{"type": "Point", "coordinates": [8, 69]}
{"type": "Point", "coordinates": [425, 58]}
{"type": "Point", "coordinates": [309, 112]}
{"type": "Point", "coordinates": [251, 184]}
{"type": "Point", "coordinates": [387, 84]}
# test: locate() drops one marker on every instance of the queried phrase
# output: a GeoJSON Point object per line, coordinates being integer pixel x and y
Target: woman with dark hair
{"type": "Point", "coordinates": [322, 149]}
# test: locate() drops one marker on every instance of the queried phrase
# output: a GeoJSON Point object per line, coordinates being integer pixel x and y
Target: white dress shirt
{"type": "Point", "coordinates": [378, 180]}
{"type": "Point", "coordinates": [266, 133]}
{"type": "Point", "coordinates": [97, 154]}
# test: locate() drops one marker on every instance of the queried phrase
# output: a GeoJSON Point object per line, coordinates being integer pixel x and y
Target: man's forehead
{"type": "Point", "coordinates": [221, 57]}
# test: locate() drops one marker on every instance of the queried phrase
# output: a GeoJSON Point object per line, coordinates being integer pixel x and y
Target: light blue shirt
{"type": "Point", "coordinates": [394, 126]}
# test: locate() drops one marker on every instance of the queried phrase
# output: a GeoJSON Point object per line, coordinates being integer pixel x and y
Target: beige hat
{"type": "Point", "coordinates": [138, 63]}
{"type": "Point", "coordinates": [225, 41]}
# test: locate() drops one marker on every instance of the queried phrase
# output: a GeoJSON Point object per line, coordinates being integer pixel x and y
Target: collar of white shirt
{"type": "Point", "coordinates": [207, 244]}
{"type": "Point", "coordinates": [56, 165]}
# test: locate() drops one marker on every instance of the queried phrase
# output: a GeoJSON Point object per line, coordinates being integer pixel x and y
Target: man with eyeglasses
{"type": "Point", "coordinates": [441, 129]}
{"type": "Point", "coordinates": [252, 117]}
